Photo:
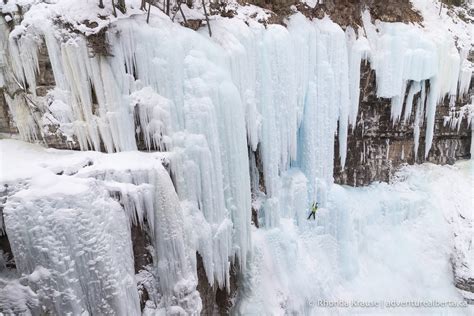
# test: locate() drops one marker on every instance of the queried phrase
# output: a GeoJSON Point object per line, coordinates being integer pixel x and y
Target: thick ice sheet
{"type": "Point", "coordinates": [382, 243]}
{"type": "Point", "coordinates": [71, 213]}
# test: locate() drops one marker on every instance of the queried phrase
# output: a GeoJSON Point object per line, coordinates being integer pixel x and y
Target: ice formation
{"type": "Point", "coordinates": [364, 237]}
{"type": "Point", "coordinates": [279, 93]}
{"type": "Point", "coordinates": [375, 245]}
{"type": "Point", "coordinates": [85, 242]}
{"type": "Point", "coordinates": [81, 235]}
{"type": "Point", "coordinates": [275, 71]}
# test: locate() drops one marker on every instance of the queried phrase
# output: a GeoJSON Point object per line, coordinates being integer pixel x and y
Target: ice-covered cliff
{"type": "Point", "coordinates": [378, 245]}
{"type": "Point", "coordinates": [240, 121]}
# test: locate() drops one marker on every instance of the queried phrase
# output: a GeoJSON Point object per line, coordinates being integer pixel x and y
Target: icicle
{"type": "Point", "coordinates": [153, 115]}
{"type": "Point", "coordinates": [414, 89]}
{"type": "Point", "coordinates": [358, 50]}
{"type": "Point", "coordinates": [23, 117]}
{"type": "Point", "coordinates": [235, 167]}
{"type": "Point", "coordinates": [431, 103]}
{"type": "Point", "coordinates": [419, 119]}
{"type": "Point", "coordinates": [465, 72]}
{"type": "Point", "coordinates": [472, 140]}
{"type": "Point", "coordinates": [397, 104]}
{"type": "Point", "coordinates": [277, 104]}
{"type": "Point", "coordinates": [24, 60]}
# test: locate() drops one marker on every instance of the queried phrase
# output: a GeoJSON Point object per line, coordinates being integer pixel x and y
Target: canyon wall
{"type": "Point", "coordinates": [280, 98]}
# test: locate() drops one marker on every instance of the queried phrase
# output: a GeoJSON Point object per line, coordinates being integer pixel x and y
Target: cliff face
{"type": "Point", "coordinates": [378, 146]}
{"type": "Point", "coordinates": [267, 97]}
{"type": "Point", "coordinates": [343, 12]}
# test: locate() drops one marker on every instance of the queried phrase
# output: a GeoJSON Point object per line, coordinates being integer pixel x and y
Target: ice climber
{"type": "Point", "coordinates": [314, 208]}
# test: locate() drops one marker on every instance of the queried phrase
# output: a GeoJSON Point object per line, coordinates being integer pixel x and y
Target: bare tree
{"type": "Point", "coordinates": [149, 10]}
{"type": "Point", "coordinates": [113, 8]}
{"type": "Point", "coordinates": [207, 18]}
{"type": "Point", "coordinates": [180, 10]}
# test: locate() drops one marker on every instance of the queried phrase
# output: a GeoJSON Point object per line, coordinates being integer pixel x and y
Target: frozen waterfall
{"type": "Point", "coordinates": [199, 106]}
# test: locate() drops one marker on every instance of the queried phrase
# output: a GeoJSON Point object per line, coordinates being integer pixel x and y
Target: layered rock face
{"type": "Point", "coordinates": [377, 146]}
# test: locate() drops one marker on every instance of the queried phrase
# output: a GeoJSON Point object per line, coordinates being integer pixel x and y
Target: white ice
{"type": "Point", "coordinates": [381, 243]}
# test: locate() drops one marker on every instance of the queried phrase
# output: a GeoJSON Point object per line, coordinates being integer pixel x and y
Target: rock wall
{"type": "Point", "coordinates": [215, 300]}
{"type": "Point", "coordinates": [377, 147]}
{"type": "Point", "coordinates": [347, 12]}
{"type": "Point", "coordinates": [5, 121]}
{"type": "Point", "coordinates": [343, 12]}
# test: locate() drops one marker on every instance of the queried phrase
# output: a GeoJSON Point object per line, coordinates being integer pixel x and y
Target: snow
{"type": "Point", "coordinates": [11, 6]}
{"type": "Point", "coordinates": [16, 298]}
{"type": "Point", "coordinates": [71, 227]}
{"type": "Point", "coordinates": [79, 222]}
{"type": "Point", "coordinates": [381, 243]}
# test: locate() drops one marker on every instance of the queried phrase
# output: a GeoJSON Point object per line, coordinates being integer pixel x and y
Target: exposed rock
{"type": "Point", "coordinates": [6, 123]}
{"type": "Point", "coordinates": [377, 147]}
{"type": "Point", "coordinates": [216, 301]}
{"type": "Point", "coordinates": [142, 258]}
{"type": "Point", "coordinates": [255, 217]}
{"type": "Point", "coordinates": [192, 24]}
{"type": "Point", "coordinates": [45, 78]}
{"type": "Point", "coordinates": [467, 288]}
{"type": "Point", "coordinates": [343, 12]}
{"type": "Point", "coordinates": [6, 255]}
{"type": "Point", "coordinates": [257, 181]}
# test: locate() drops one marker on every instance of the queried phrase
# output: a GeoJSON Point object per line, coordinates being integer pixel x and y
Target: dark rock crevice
{"type": "Point", "coordinates": [141, 242]}
{"type": "Point", "coordinates": [466, 285]}
{"type": "Point", "coordinates": [216, 301]}
{"type": "Point", "coordinates": [7, 260]}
